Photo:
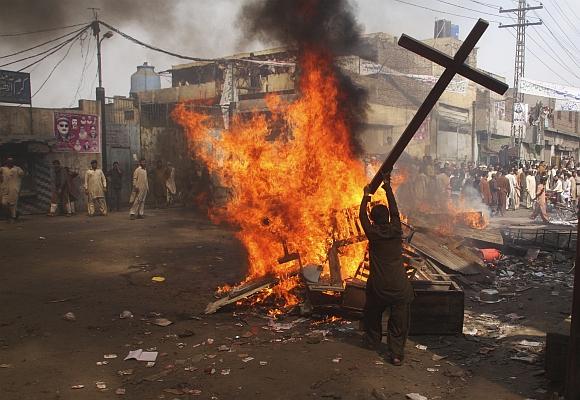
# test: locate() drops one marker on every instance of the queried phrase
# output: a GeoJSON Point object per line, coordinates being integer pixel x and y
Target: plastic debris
{"type": "Point", "coordinates": [141, 355]}
{"type": "Point", "coordinates": [158, 279]}
{"type": "Point", "coordinates": [77, 387]}
{"type": "Point", "coordinates": [415, 396]}
{"type": "Point", "coordinates": [101, 385]}
{"type": "Point", "coordinates": [69, 316]}
{"type": "Point", "coordinates": [421, 347]}
{"type": "Point", "coordinates": [161, 322]}
{"type": "Point", "coordinates": [126, 314]}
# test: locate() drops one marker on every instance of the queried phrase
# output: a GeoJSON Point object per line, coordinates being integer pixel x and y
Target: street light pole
{"type": "Point", "coordinates": [100, 91]}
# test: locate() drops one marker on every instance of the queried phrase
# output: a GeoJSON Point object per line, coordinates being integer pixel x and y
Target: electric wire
{"type": "Point", "coordinates": [540, 60]}
{"type": "Point", "coordinates": [485, 4]}
{"type": "Point", "coordinates": [564, 16]}
{"type": "Point", "coordinates": [41, 44]}
{"type": "Point", "coordinates": [55, 67]}
{"type": "Point", "coordinates": [553, 52]}
{"type": "Point", "coordinates": [444, 12]}
{"type": "Point", "coordinates": [570, 42]}
{"type": "Point", "coordinates": [84, 69]}
{"type": "Point", "coordinates": [41, 31]}
{"type": "Point", "coordinates": [151, 47]}
{"type": "Point", "coordinates": [471, 9]}
{"type": "Point", "coordinates": [73, 39]}
{"type": "Point", "coordinates": [50, 51]}
{"type": "Point", "coordinates": [571, 9]}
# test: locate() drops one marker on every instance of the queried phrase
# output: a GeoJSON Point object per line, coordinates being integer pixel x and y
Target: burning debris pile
{"type": "Point", "coordinates": [294, 189]}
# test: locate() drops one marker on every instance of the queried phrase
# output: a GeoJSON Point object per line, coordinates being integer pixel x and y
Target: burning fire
{"type": "Point", "coordinates": [285, 186]}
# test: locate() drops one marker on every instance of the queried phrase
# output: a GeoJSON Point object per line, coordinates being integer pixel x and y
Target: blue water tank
{"type": "Point", "coordinates": [145, 78]}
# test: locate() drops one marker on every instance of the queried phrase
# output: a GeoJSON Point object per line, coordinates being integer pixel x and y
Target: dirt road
{"type": "Point", "coordinates": [97, 268]}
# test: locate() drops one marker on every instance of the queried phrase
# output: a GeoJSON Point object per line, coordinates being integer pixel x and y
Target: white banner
{"type": "Point", "coordinates": [550, 90]}
{"type": "Point", "coordinates": [567, 105]}
{"type": "Point", "coordinates": [366, 67]}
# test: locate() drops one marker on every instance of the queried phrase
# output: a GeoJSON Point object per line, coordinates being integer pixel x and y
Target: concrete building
{"type": "Point", "coordinates": [34, 137]}
{"type": "Point", "coordinates": [28, 135]}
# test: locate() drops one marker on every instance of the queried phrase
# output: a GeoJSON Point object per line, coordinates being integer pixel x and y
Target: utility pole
{"type": "Point", "coordinates": [100, 91]}
{"type": "Point", "coordinates": [520, 61]}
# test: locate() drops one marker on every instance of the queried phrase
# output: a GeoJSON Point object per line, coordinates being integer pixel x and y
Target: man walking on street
{"type": "Point", "coordinates": [387, 284]}
{"type": "Point", "coordinates": [140, 189]}
{"type": "Point", "coordinates": [10, 183]}
{"type": "Point", "coordinates": [503, 189]}
{"type": "Point", "coordinates": [95, 188]}
{"type": "Point", "coordinates": [116, 183]}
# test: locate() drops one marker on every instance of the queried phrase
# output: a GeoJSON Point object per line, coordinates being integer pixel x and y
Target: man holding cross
{"type": "Point", "coordinates": [388, 285]}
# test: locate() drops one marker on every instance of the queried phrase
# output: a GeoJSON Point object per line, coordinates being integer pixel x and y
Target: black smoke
{"type": "Point", "coordinates": [329, 25]}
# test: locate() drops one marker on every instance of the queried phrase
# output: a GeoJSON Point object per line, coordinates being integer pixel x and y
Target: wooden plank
{"type": "Point", "coordinates": [241, 292]}
{"type": "Point", "coordinates": [488, 235]}
{"type": "Point", "coordinates": [437, 248]}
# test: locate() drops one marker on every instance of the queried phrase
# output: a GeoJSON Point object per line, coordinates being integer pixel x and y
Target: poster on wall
{"type": "Point", "coordinates": [79, 133]}
{"type": "Point", "coordinates": [520, 115]}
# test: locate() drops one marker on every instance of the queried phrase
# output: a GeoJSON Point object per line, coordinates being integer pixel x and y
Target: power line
{"type": "Point", "coordinates": [471, 9]}
{"type": "Point", "coordinates": [565, 17]}
{"type": "Point", "coordinates": [542, 61]}
{"type": "Point", "coordinates": [41, 44]}
{"type": "Point", "coordinates": [485, 4]}
{"type": "Point", "coordinates": [50, 51]}
{"type": "Point", "coordinates": [571, 10]}
{"type": "Point", "coordinates": [555, 55]}
{"type": "Point", "coordinates": [41, 31]}
{"type": "Point", "coordinates": [442, 12]}
{"type": "Point", "coordinates": [561, 30]}
{"type": "Point", "coordinates": [73, 39]}
{"type": "Point", "coordinates": [151, 47]}
{"type": "Point", "coordinates": [85, 65]}
{"type": "Point", "coordinates": [55, 67]}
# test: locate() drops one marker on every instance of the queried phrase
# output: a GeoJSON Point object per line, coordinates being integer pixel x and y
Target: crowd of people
{"type": "Point", "coordinates": [435, 185]}
{"type": "Point", "coordinates": [102, 190]}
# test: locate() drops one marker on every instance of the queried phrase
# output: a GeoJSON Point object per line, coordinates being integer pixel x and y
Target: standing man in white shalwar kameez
{"type": "Point", "coordinates": [10, 183]}
{"type": "Point", "coordinates": [511, 201]}
{"type": "Point", "coordinates": [140, 189]}
{"type": "Point", "coordinates": [531, 189]}
{"type": "Point", "coordinates": [95, 188]}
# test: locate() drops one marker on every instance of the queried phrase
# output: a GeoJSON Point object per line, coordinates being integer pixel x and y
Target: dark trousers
{"type": "Point", "coordinates": [501, 202]}
{"type": "Point", "coordinates": [397, 328]}
{"type": "Point", "coordinates": [115, 199]}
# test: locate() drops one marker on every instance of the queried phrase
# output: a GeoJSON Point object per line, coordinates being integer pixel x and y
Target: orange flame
{"type": "Point", "coordinates": [286, 185]}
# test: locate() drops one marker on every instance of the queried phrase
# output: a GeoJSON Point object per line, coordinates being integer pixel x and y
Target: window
{"type": "Point", "coordinates": [559, 115]}
{"type": "Point", "coordinates": [569, 116]}
{"type": "Point", "coordinates": [129, 115]}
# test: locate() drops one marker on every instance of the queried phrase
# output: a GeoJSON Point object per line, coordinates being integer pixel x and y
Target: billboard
{"type": "Point", "coordinates": [79, 133]}
{"type": "Point", "coordinates": [14, 87]}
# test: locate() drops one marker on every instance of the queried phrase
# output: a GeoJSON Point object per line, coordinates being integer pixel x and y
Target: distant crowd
{"type": "Point", "coordinates": [103, 190]}
{"type": "Point", "coordinates": [434, 184]}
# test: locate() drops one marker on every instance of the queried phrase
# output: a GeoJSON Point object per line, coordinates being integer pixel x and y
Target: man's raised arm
{"type": "Point", "coordinates": [363, 215]}
{"type": "Point", "coordinates": [393, 209]}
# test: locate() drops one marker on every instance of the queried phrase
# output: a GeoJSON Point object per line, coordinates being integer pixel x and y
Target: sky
{"type": "Point", "coordinates": [209, 29]}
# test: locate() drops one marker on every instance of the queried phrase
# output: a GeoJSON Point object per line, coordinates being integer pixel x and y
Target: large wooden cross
{"type": "Point", "coordinates": [453, 66]}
